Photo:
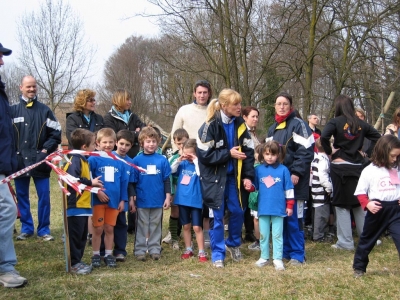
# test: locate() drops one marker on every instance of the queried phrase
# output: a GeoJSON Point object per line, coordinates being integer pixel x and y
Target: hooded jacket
{"type": "Point", "coordinates": [8, 158]}
{"type": "Point", "coordinates": [298, 158]}
{"type": "Point", "coordinates": [116, 123]}
{"type": "Point", "coordinates": [36, 128]}
{"type": "Point", "coordinates": [214, 154]}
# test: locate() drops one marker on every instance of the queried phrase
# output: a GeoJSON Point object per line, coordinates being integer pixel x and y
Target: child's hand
{"type": "Point", "coordinates": [132, 204]}
{"type": "Point", "coordinates": [121, 205]}
{"type": "Point", "coordinates": [247, 184]}
{"type": "Point", "coordinates": [167, 202]}
{"type": "Point", "coordinates": [289, 212]}
{"type": "Point", "coordinates": [97, 182]}
{"type": "Point", "coordinates": [102, 197]}
{"type": "Point", "coordinates": [374, 206]}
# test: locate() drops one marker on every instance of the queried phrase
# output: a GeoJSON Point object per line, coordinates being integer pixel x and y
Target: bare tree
{"type": "Point", "coordinates": [54, 50]}
{"type": "Point", "coordinates": [12, 75]}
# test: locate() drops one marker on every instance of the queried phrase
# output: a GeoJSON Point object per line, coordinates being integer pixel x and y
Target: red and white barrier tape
{"type": "Point", "coordinates": [64, 176]}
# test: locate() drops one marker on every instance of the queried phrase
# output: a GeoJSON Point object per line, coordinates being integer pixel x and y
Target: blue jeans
{"type": "Point", "coordinates": [8, 215]}
{"type": "Point", "coordinates": [236, 215]}
{"type": "Point", "coordinates": [43, 191]}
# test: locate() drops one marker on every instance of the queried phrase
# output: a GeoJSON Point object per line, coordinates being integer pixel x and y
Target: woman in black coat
{"type": "Point", "coordinates": [121, 117]}
{"type": "Point", "coordinates": [84, 115]}
{"type": "Point", "coordinates": [347, 163]}
{"type": "Point", "coordinates": [290, 130]}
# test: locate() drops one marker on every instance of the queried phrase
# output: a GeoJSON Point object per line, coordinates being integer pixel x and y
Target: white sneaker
{"type": "Point", "coordinates": [12, 279]}
{"type": "Point", "coordinates": [175, 245]}
{"type": "Point", "coordinates": [167, 239]}
{"type": "Point", "coordinates": [262, 262]}
{"type": "Point", "coordinates": [218, 263]}
{"type": "Point", "coordinates": [278, 264]}
{"type": "Point", "coordinates": [23, 236]}
{"type": "Point", "coordinates": [46, 237]}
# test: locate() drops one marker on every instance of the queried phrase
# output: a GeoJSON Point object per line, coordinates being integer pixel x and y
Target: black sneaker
{"type": "Point", "coordinates": [110, 261]}
{"type": "Point", "coordinates": [96, 261]}
{"type": "Point", "coordinates": [250, 237]}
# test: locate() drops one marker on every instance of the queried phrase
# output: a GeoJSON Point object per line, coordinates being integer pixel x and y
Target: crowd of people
{"type": "Point", "coordinates": [220, 178]}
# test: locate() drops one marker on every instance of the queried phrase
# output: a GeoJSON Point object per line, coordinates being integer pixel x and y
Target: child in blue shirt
{"type": "Point", "coordinates": [275, 201]}
{"type": "Point", "coordinates": [109, 203]}
{"type": "Point", "coordinates": [189, 199]}
{"type": "Point", "coordinates": [125, 140]}
{"type": "Point", "coordinates": [79, 207]}
{"type": "Point", "coordinates": [153, 193]}
{"type": "Point", "coordinates": [180, 137]}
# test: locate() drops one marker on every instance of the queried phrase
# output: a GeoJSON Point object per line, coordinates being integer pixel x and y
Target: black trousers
{"type": "Point", "coordinates": [388, 217]}
{"type": "Point", "coordinates": [248, 221]}
{"type": "Point", "coordinates": [131, 221]}
{"type": "Point", "coordinates": [77, 233]}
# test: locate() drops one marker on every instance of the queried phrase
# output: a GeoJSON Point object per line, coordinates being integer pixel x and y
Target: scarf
{"type": "Point", "coordinates": [280, 119]}
{"type": "Point", "coordinates": [124, 116]}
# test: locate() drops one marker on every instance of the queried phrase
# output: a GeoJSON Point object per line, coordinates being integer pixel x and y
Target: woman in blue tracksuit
{"type": "Point", "coordinates": [226, 158]}
{"type": "Point", "coordinates": [298, 159]}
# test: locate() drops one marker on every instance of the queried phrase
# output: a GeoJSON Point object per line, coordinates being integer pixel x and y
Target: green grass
{"type": "Point", "coordinates": [326, 275]}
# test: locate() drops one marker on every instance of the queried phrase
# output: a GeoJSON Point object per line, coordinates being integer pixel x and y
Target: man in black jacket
{"type": "Point", "coordinates": [38, 134]}
{"type": "Point", "coordinates": [9, 277]}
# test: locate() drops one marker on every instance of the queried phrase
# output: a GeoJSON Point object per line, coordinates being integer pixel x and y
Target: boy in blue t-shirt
{"type": "Point", "coordinates": [108, 204]}
{"type": "Point", "coordinates": [125, 140]}
{"type": "Point", "coordinates": [153, 193]}
{"type": "Point", "coordinates": [79, 207]}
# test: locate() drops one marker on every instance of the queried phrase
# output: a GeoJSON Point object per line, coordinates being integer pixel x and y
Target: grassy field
{"type": "Point", "coordinates": [326, 275]}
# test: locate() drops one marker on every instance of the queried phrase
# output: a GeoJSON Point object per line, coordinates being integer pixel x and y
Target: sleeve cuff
{"type": "Point", "coordinates": [364, 200]}
{"type": "Point", "coordinates": [289, 203]}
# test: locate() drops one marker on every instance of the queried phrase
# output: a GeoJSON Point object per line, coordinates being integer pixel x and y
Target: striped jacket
{"type": "Point", "coordinates": [321, 183]}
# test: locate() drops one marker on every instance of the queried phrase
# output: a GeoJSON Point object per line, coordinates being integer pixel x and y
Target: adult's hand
{"type": "Point", "coordinates": [235, 153]}
{"type": "Point", "coordinates": [295, 179]}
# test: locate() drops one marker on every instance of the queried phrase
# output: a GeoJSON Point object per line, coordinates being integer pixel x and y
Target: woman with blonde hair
{"type": "Point", "coordinates": [226, 158]}
{"type": "Point", "coordinates": [83, 116]}
{"type": "Point", "coordinates": [121, 117]}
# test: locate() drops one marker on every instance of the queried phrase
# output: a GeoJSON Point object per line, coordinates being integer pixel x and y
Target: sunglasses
{"type": "Point", "coordinates": [91, 100]}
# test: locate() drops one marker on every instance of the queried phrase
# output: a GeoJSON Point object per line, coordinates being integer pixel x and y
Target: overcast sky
{"type": "Point", "coordinates": [104, 23]}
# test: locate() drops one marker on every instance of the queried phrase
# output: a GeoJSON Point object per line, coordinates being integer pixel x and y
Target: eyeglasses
{"type": "Point", "coordinates": [91, 100]}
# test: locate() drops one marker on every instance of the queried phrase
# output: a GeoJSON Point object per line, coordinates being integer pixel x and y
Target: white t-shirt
{"type": "Point", "coordinates": [376, 183]}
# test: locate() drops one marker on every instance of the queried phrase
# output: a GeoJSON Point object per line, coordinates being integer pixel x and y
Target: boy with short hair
{"type": "Point", "coordinates": [125, 140]}
{"type": "Point", "coordinates": [108, 204]}
{"type": "Point", "coordinates": [153, 193]}
{"type": "Point", "coordinates": [79, 206]}
{"type": "Point", "coordinates": [180, 137]}
{"type": "Point", "coordinates": [321, 190]}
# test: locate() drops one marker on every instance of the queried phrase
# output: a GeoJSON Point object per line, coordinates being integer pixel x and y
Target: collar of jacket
{"type": "Point", "coordinates": [26, 102]}
{"type": "Point", "coordinates": [115, 114]}
{"type": "Point", "coordinates": [274, 165]}
{"type": "Point", "coordinates": [83, 157]}
{"type": "Point", "coordinates": [225, 119]}
{"type": "Point", "coordinates": [2, 85]}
